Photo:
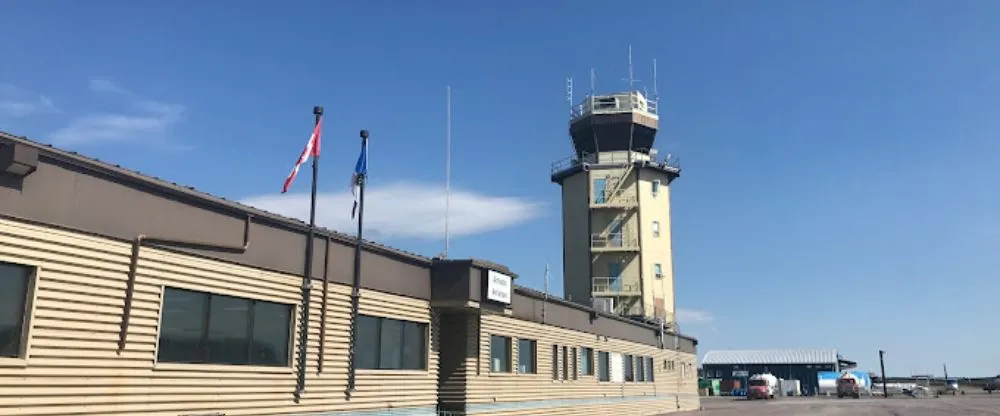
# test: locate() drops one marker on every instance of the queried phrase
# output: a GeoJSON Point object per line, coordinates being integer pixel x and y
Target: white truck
{"type": "Point", "coordinates": [762, 386]}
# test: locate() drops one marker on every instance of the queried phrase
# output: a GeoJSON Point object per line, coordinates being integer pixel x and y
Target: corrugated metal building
{"type": "Point", "coordinates": [123, 294]}
{"type": "Point", "coordinates": [801, 364]}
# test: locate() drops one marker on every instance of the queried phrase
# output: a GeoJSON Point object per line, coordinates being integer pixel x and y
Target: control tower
{"type": "Point", "coordinates": [617, 254]}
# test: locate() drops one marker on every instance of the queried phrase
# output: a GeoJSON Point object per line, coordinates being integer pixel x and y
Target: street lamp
{"type": "Point", "coordinates": [885, 380]}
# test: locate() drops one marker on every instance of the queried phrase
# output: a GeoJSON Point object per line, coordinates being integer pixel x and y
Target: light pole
{"type": "Point", "coordinates": [885, 380]}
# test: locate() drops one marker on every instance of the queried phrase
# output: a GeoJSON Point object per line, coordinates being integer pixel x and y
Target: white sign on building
{"type": "Point", "coordinates": [498, 287]}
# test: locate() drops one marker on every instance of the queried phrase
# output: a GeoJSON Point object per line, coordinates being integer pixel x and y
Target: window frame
{"type": "Point", "coordinates": [575, 362]}
{"type": "Point", "coordinates": [628, 362]}
{"type": "Point", "coordinates": [587, 355]}
{"type": "Point", "coordinates": [425, 336]}
{"type": "Point", "coordinates": [510, 354]}
{"type": "Point", "coordinates": [27, 314]}
{"type": "Point", "coordinates": [650, 370]}
{"type": "Point", "coordinates": [167, 364]}
{"type": "Point", "coordinates": [555, 362]}
{"type": "Point", "coordinates": [565, 363]}
{"type": "Point", "coordinates": [658, 270]}
{"type": "Point", "coordinates": [533, 347]}
{"type": "Point", "coordinates": [606, 363]}
{"type": "Point", "coordinates": [656, 229]}
{"type": "Point", "coordinates": [654, 187]}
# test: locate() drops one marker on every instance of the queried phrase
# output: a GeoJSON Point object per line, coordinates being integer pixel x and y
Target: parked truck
{"type": "Point", "coordinates": [762, 386]}
{"type": "Point", "coordinates": [849, 385]}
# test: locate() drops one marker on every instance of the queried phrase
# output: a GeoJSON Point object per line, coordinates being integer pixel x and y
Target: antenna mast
{"type": "Point", "coordinates": [569, 94]}
{"type": "Point", "coordinates": [447, 173]}
{"type": "Point", "coordinates": [656, 92]}
{"type": "Point", "coordinates": [630, 78]}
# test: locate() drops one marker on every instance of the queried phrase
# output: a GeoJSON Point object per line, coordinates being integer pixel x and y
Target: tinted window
{"type": "Point", "coordinates": [629, 369]}
{"type": "Point", "coordinates": [271, 323]}
{"type": "Point", "coordinates": [603, 366]}
{"type": "Point", "coordinates": [229, 330]}
{"type": "Point", "coordinates": [414, 346]}
{"type": "Point", "coordinates": [13, 298]}
{"type": "Point", "coordinates": [526, 356]}
{"type": "Point", "coordinates": [366, 348]}
{"type": "Point", "coordinates": [499, 354]}
{"type": "Point", "coordinates": [390, 344]}
{"type": "Point", "coordinates": [587, 361]}
{"type": "Point", "coordinates": [205, 328]}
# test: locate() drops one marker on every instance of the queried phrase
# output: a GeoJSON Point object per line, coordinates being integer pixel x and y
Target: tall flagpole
{"type": "Point", "coordinates": [362, 178]}
{"type": "Point", "coordinates": [307, 276]}
{"type": "Point", "coordinates": [447, 177]}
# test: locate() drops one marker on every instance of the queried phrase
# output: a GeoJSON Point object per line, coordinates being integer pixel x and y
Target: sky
{"type": "Point", "coordinates": [838, 186]}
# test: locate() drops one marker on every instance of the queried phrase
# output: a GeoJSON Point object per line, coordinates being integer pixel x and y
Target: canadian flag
{"type": "Point", "coordinates": [312, 149]}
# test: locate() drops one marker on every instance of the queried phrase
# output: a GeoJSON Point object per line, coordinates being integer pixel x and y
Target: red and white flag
{"type": "Point", "coordinates": [312, 149]}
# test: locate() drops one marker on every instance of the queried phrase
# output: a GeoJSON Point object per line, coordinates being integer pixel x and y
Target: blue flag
{"type": "Point", "coordinates": [359, 175]}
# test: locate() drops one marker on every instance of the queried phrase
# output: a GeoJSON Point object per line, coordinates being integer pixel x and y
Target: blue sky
{"type": "Point", "coordinates": [838, 156]}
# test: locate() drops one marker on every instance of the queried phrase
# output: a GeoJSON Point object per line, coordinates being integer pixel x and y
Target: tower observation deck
{"type": "Point", "coordinates": [617, 252]}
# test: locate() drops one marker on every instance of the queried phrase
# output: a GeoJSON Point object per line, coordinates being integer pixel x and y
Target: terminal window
{"type": "Point", "coordinates": [587, 361]}
{"type": "Point", "coordinates": [206, 328]}
{"type": "Point", "coordinates": [526, 351]}
{"type": "Point", "coordinates": [603, 366]}
{"type": "Point", "coordinates": [15, 282]}
{"type": "Point", "coordinates": [500, 354]}
{"type": "Point", "coordinates": [390, 344]}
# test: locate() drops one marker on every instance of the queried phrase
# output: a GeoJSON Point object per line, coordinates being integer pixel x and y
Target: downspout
{"type": "Point", "coordinates": [143, 239]}
{"type": "Point", "coordinates": [322, 312]}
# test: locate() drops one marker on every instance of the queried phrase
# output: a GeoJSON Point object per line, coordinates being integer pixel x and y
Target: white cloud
{"type": "Point", "coordinates": [406, 210]}
{"type": "Point", "coordinates": [150, 120]}
{"type": "Point", "coordinates": [694, 316]}
{"type": "Point", "coordinates": [16, 102]}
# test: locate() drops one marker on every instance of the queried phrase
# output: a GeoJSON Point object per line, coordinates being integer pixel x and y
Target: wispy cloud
{"type": "Point", "coordinates": [17, 102]}
{"type": "Point", "coordinates": [149, 121]}
{"type": "Point", "coordinates": [694, 316]}
{"type": "Point", "coordinates": [407, 210]}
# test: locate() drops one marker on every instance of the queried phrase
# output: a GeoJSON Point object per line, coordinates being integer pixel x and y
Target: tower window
{"type": "Point", "coordinates": [656, 228]}
{"type": "Point", "coordinates": [657, 270]}
{"type": "Point", "coordinates": [656, 187]}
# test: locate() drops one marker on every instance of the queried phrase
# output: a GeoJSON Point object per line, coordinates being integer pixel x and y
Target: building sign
{"type": "Point", "coordinates": [741, 373]}
{"type": "Point", "coordinates": [498, 287]}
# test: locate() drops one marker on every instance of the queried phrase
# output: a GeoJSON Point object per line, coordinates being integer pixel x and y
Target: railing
{"type": "Point", "coordinates": [648, 310]}
{"type": "Point", "coordinates": [614, 103]}
{"type": "Point", "coordinates": [613, 240]}
{"type": "Point", "coordinates": [613, 285]}
{"type": "Point", "coordinates": [618, 199]}
{"type": "Point", "coordinates": [668, 161]}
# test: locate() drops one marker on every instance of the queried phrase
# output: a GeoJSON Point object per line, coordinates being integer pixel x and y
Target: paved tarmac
{"type": "Point", "coordinates": [971, 405]}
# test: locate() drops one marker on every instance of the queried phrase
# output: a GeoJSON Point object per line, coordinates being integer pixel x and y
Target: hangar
{"type": "Point", "coordinates": [801, 364]}
{"type": "Point", "coordinates": [124, 294]}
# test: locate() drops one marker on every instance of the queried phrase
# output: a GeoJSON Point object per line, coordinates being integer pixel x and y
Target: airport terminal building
{"type": "Point", "coordinates": [123, 294]}
{"type": "Point", "coordinates": [790, 364]}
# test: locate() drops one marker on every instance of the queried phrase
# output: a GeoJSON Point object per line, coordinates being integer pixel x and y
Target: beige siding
{"type": "Point", "coordinates": [72, 367]}
{"type": "Point", "coordinates": [582, 396]}
{"type": "Point", "coordinates": [659, 292]}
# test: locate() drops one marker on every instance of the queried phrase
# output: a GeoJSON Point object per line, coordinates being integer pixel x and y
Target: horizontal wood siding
{"type": "Point", "coordinates": [72, 367]}
{"type": "Point", "coordinates": [539, 394]}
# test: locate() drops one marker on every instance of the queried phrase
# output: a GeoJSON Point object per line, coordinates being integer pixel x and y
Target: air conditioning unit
{"type": "Point", "coordinates": [606, 305]}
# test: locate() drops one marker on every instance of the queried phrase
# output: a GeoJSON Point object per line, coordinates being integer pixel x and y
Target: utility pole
{"type": "Point", "coordinates": [885, 380]}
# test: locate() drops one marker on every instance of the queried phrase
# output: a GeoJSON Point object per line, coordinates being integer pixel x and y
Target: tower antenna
{"type": "Point", "coordinates": [656, 92]}
{"type": "Point", "coordinates": [447, 172]}
{"type": "Point", "coordinates": [630, 78]}
{"type": "Point", "coordinates": [569, 95]}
